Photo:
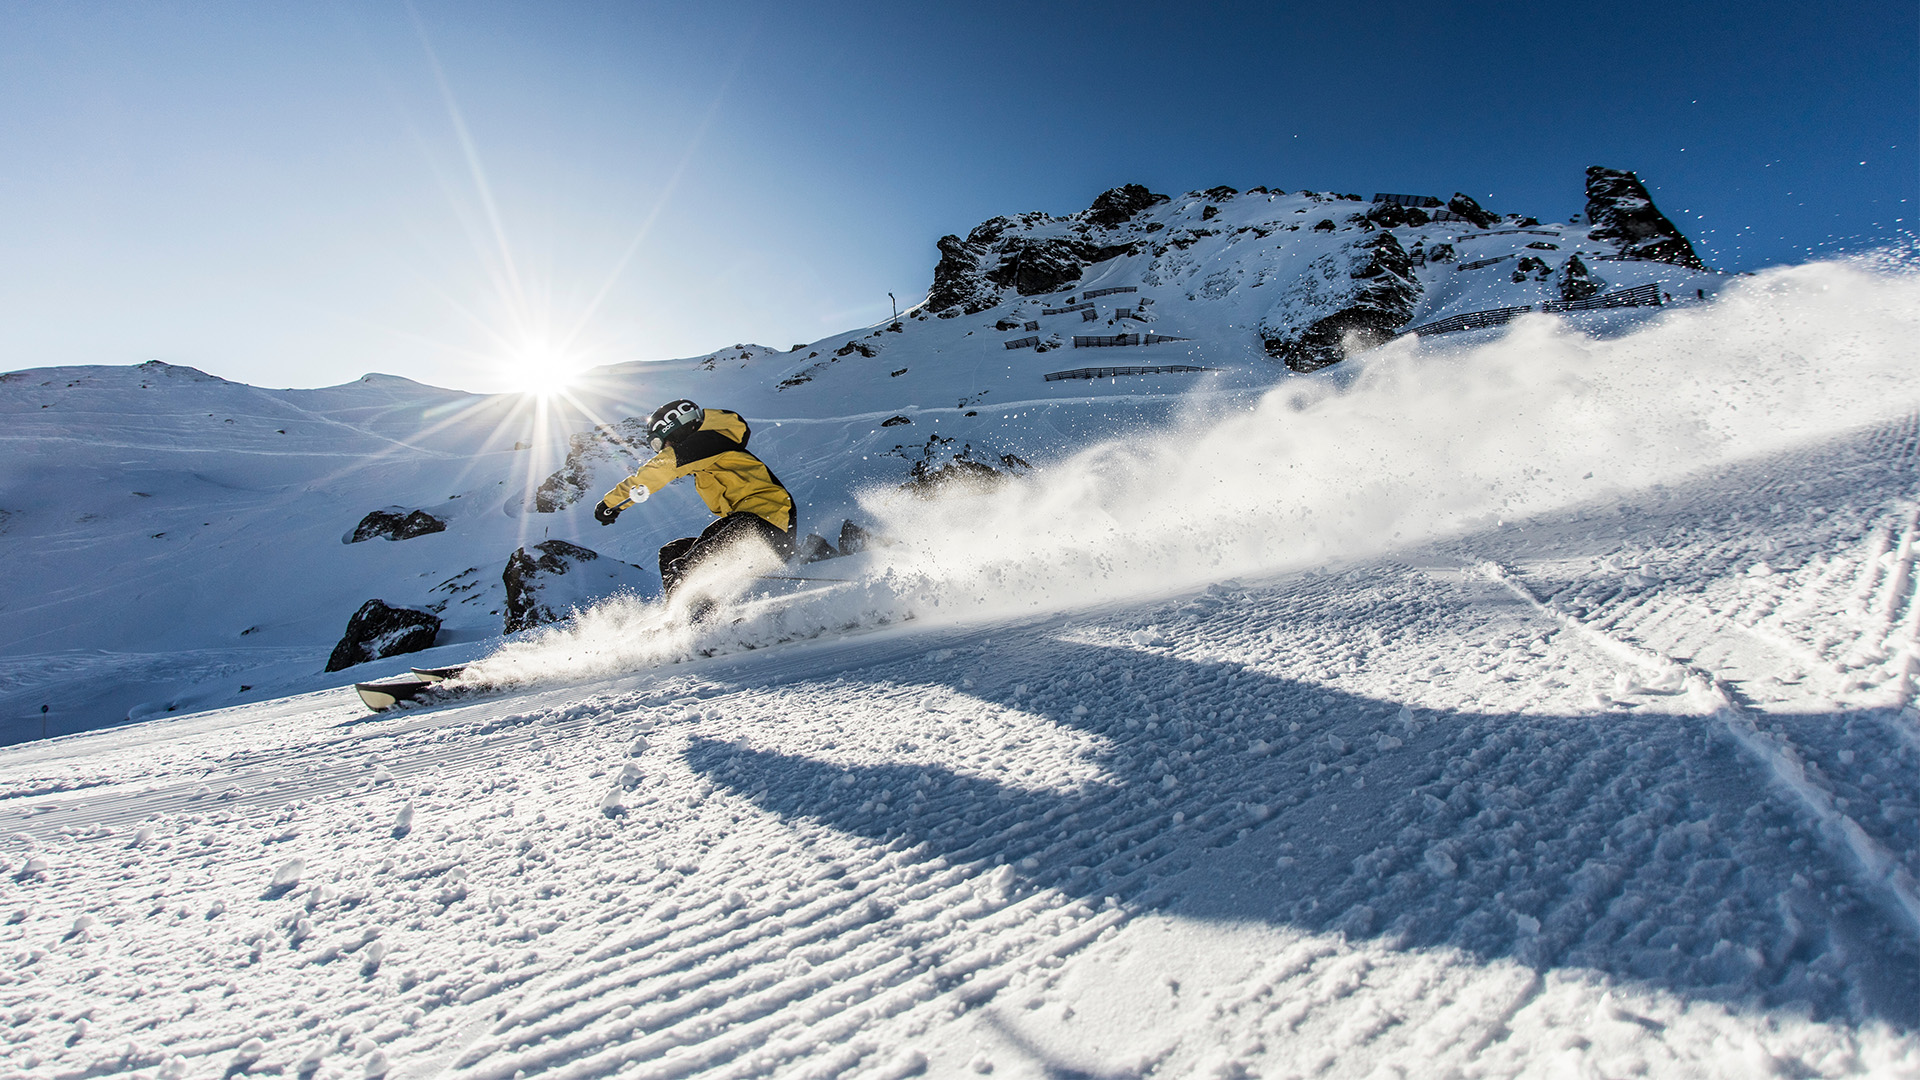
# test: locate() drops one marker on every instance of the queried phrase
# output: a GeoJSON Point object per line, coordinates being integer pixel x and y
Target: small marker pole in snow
{"type": "Point", "coordinates": [43, 720]}
{"type": "Point", "coordinates": [896, 307]}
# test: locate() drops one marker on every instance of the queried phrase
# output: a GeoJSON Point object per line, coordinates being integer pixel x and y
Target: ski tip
{"type": "Point", "coordinates": [439, 674]}
{"type": "Point", "coordinates": [386, 693]}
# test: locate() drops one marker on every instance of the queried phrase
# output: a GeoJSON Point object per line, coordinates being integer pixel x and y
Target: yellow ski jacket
{"type": "Point", "coordinates": [730, 479]}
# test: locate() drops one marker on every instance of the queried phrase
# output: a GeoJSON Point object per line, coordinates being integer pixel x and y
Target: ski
{"type": "Point", "coordinates": [384, 694]}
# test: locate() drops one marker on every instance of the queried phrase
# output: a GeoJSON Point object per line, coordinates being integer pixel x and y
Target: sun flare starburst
{"type": "Point", "coordinates": [539, 370]}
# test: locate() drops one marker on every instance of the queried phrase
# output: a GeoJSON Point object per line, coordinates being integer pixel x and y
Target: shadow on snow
{"type": "Point", "coordinates": [1636, 847]}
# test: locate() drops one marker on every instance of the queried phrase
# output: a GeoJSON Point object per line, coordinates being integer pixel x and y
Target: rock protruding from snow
{"type": "Point", "coordinates": [1350, 299]}
{"type": "Point", "coordinates": [958, 287]}
{"type": "Point", "coordinates": [552, 579]}
{"type": "Point", "coordinates": [1389, 215]}
{"type": "Point", "coordinates": [1464, 205]}
{"type": "Point", "coordinates": [378, 630]}
{"type": "Point", "coordinates": [396, 524]}
{"type": "Point", "coordinates": [1577, 282]}
{"type": "Point", "coordinates": [1622, 211]}
{"type": "Point", "coordinates": [1034, 265]}
{"type": "Point", "coordinates": [1031, 253]}
{"type": "Point", "coordinates": [1116, 206]}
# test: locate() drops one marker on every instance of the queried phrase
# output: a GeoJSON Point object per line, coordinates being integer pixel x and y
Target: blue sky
{"type": "Point", "coordinates": [296, 194]}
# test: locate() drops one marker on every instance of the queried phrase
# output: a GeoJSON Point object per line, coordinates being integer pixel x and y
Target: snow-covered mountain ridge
{"type": "Point", "coordinates": [1338, 273]}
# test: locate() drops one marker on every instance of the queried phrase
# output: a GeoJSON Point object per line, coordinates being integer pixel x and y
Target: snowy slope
{"type": "Point", "coordinates": [1524, 707]}
{"type": "Point", "coordinates": [174, 540]}
{"type": "Point", "coordinates": [1477, 806]}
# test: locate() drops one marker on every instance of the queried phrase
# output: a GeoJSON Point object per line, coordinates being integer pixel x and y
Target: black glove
{"type": "Point", "coordinates": [604, 514]}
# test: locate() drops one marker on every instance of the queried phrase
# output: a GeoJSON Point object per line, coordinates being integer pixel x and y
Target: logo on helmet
{"type": "Point", "coordinates": [671, 421]}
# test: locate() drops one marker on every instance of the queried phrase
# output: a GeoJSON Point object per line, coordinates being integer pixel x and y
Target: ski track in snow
{"type": "Point", "coordinates": [1628, 789]}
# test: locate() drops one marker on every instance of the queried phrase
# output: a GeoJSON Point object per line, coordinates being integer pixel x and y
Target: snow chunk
{"type": "Point", "coordinates": [612, 804]}
{"type": "Point", "coordinates": [287, 874]}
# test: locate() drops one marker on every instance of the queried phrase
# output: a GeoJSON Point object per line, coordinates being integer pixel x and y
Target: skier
{"type": "Point", "coordinates": [711, 446]}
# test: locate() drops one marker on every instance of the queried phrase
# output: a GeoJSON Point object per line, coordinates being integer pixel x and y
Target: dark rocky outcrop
{"type": "Point", "coordinates": [958, 287]}
{"type": "Point", "coordinates": [1530, 265]}
{"type": "Point", "coordinates": [395, 525]}
{"type": "Point", "coordinates": [1221, 193]}
{"type": "Point", "coordinates": [1577, 282]}
{"type": "Point", "coordinates": [526, 607]}
{"type": "Point", "coordinates": [1622, 211]}
{"type": "Point", "coordinates": [1380, 302]}
{"type": "Point", "coordinates": [1116, 206]}
{"type": "Point", "coordinates": [378, 630]}
{"type": "Point", "coordinates": [1003, 253]}
{"type": "Point", "coordinates": [1390, 215]}
{"type": "Point", "coordinates": [854, 538]}
{"type": "Point", "coordinates": [965, 280]}
{"type": "Point", "coordinates": [1034, 266]}
{"type": "Point", "coordinates": [1464, 205]}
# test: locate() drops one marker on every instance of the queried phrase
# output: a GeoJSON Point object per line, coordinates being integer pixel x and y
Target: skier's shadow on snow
{"type": "Point", "coordinates": [1635, 848]}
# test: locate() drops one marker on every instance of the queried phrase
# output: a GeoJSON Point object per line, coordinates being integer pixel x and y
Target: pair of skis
{"type": "Point", "coordinates": [384, 694]}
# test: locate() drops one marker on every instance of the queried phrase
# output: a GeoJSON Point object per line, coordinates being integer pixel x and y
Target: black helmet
{"type": "Point", "coordinates": [672, 420]}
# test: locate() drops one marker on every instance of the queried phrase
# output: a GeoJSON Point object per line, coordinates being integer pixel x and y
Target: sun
{"type": "Point", "coordinates": [538, 370]}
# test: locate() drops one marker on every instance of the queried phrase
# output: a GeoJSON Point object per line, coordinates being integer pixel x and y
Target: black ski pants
{"type": "Point", "coordinates": [678, 558]}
